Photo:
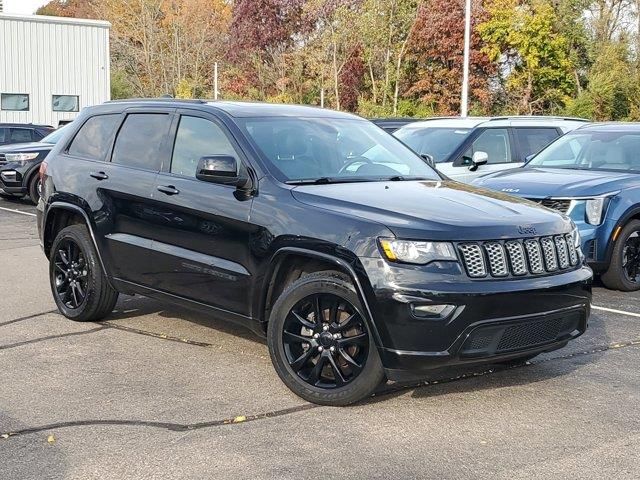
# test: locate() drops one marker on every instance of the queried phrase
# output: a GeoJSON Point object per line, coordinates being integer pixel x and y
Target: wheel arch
{"type": "Point", "coordinates": [62, 214]}
{"type": "Point", "coordinates": [277, 268]}
{"type": "Point", "coordinates": [632, 213]}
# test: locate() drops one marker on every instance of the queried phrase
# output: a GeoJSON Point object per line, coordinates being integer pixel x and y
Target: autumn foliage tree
{"type": "Point", "coordinates": [436, 52]}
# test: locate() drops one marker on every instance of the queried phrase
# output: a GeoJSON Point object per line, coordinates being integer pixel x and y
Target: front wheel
{"type": "Point", "coordinates": [320, 342]}
{"type": "Point", "coordinates": [624, 271]}
{"type": "Point", "coordinates": [34, 188]}
{"type": "Point", "coordinates": [79, 286]}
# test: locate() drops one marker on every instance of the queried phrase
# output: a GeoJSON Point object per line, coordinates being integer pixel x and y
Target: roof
{"type": "Point", "coordinates": [246, 109]}
{"type": "Point", "coordinates": [612, 127]}
{"type": "Point", "coordinates": [55, 20]}
{"type": "Point", "coordinates": [447, 122]}
{"type": "Point", "coordinates": [25, 125]}
{"type": "Point", "coordinates": [564, 123]}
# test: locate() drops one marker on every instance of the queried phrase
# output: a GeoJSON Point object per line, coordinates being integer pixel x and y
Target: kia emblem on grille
{"type": "Point", "coordinates": [511, 190]}
{"type": "Point", "coordinates": [527, 229]}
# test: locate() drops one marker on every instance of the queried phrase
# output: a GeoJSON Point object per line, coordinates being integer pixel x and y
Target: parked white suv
{"type": "Point", "coordinates": [467, 148]}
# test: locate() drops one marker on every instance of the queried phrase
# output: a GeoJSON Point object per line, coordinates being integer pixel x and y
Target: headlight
{"type": "Point", "coordinates": [595, 208]}
{"type": "Point", "coordinates": [21, 157]}
{"type": "Point", "coordinates": [420, 253]}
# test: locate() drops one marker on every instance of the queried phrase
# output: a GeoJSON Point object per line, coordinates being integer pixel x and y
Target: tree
{"type": "Point", "coordinates": [613, 87]}
{"type": "Point", "coordinates": [436, 52]}
{"type": "Point", "coordinates": [534, 57]}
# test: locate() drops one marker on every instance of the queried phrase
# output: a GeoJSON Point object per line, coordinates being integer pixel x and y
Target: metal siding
{"type": "Point", "coordinates": [43, 57]}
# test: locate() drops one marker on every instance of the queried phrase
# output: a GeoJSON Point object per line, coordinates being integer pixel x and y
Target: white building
{"type": "Point", "coordinates": [51, 67]}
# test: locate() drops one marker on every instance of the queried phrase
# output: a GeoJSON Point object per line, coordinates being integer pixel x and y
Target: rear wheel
{"type": "Point", "coordinates": [320, 342]}
{"type": "Point", "coordinates": [79, 286]}
{"type": "Point", "coordinates": [34, 188]}
{"type": "Point", "coordinates": [624, 271]}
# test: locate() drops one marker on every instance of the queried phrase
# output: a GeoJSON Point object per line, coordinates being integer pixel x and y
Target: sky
{"type": "Point", "coordinates": [22, 6]}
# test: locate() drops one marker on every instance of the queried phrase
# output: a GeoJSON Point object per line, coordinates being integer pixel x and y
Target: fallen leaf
{"type": "Point", "coordinates": [51, 439]}
{"type": "Point", "coordinates": [239, 419]}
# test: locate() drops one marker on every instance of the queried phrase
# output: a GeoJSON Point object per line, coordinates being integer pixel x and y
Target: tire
{"type": "Point", "coordinates": [342, 341]}
{"type": "Point", "coordinates": [616, 276]}
{"type": "Point", "coordinates": [34, 192]}
{"type": "Point", "coordinates": [93, 298]}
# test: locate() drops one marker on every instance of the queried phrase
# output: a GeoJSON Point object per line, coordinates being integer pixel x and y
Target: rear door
{"type": "Point", "coordinates": [530, 140]}
{"type": "Point", "coordinates": [203, 237]}
{"type": "Point", "coordinates": [140, 148]}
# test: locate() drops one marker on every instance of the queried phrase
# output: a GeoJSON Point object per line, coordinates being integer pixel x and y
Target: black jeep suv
{"type": "Point", "coordinates": [312, 227]}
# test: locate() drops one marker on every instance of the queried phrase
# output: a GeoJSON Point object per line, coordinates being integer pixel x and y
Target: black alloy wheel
{"type": "Point", "coordinates": [325, 340]}
{"type": "Point", "coordinates": [623, 272]}
{"type": "Point", "coordinates": [631, 257]}
{"type": "Point", "coordinates": [79, 285]}
{"type": "Point", "coordinates": [320, 342]}
{"type": "Point", "coordinates": [72, 273]}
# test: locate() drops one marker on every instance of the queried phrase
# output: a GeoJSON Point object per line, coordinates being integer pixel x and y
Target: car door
{"type": "Point", "coordinates": [202, 235]}
{"type": "Point", "coordinates": [496, 142]}
{"type": "Point", "coordinates": [530, 140]}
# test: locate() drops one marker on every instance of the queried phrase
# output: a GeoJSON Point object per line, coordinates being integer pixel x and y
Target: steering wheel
{"type": "Point", "coordinates": [353, 160]}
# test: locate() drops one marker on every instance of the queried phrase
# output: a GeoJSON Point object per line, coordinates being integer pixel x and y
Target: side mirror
{"type": "Point", "coordinates": [429, 159]}
{"type": "Point", "coordinates": [221, 169]}
{"type": "Point", "coordinates": [529, 157]}
{"type": "Point", "coordinates": [478, 159]}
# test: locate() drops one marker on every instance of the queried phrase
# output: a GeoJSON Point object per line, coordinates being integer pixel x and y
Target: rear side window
{"type": "Point", "coordinates": [197, 138]}
{"type": "Point", "coordinates": [94, 138]}
{"type": "Point", "coordinates": [20, 135]}
{"type": "Point", "coordinates": [140, 140]}
{"type": "Point", "coordinates": [3, 134]}
{"type": "Point", "coordinates": [532, 140]}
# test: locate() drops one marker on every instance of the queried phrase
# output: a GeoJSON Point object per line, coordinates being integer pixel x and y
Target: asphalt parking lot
{"type": "Point", "coordinates": [160, 392]}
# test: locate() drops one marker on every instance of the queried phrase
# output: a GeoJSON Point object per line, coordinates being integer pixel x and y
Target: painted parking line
{"type": "Point", "coordinates": [613, 310]}
{"type": "Point", "coordinates": [13, 210]}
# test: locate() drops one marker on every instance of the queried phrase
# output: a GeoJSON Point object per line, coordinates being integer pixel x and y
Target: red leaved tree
{"type": "Point", "coordinates": [436, 51]}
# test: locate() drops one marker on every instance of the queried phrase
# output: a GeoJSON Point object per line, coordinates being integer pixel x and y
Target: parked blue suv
{"type": "Point", "coordinates": [593, 176]}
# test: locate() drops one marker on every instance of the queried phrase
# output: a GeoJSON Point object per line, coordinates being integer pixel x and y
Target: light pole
{"type": "Point", "coordinates": [464, 103]}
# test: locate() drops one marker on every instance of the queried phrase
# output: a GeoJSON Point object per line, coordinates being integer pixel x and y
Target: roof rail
{"type": "Point", "coordinates": [538, 117]}
{"type": "Point", "coordinates": [161, 99]}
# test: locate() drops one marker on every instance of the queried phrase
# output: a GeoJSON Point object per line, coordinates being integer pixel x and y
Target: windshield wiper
{"type": "Point", "coordinates": [326, 180]}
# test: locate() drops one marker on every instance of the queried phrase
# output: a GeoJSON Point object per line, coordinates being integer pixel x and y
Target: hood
{"type": "Point", "coordinates": [26, 147]}
{"type": "Point", "coordinates": [557, 182]}
{"type": "Point", "coordinates": [436, 210]}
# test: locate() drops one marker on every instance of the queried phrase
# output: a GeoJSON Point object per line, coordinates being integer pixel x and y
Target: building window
{"type": "Point", "coordinates": [66, 103]}
{"type": "Point", "coordinates": [14, 101]}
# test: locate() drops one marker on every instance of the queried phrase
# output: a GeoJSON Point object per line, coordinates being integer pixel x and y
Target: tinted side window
{"type": "Point", "coordinates": [140, 139]}
{"type": "Point", "coordinates": [494, 142]}
{"type": "Point", "coordinates": [20, 135]}
{"type": "Point", "coordinates": [197, 138]}
{"type": "Point", "coordinates": [3, 134]}
{"type": "Point", "coordinates": [532, 140]}
{"type": "Point", "coordinates": [93, 139]}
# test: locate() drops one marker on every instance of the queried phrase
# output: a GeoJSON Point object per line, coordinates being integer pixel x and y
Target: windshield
{"type": "Point", "coordinates": [440, 143]}
{"type": "Point", "coordinates": [54, 136]}
{"type": "Point", "coordinates": [592, 151]}
{"type": "Point", "coordinates": [330, 149]}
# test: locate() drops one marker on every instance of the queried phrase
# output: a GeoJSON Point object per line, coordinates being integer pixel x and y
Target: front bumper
{"type": "Point", "coordinates": [492, 320]}
{"type": "Point", "coordinates": [14, 177]}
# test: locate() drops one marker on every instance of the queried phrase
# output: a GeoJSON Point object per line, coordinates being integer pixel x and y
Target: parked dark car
{"type": "Point", "coordinates": [253, 212]}
{"type": "Point", "coordinates": [19, 166]}
{"type": "Point", "coordinates": [390, 125]}
{"type": "Point", "coordinates": [23, 132]}
{"type": "Point", "coordinates": [593, 176]}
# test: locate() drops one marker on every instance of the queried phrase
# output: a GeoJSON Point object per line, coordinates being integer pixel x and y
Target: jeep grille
{"type": "Point", "coordinates": [532, 256]}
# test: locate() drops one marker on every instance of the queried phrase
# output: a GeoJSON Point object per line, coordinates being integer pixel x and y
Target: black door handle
{"type": "Point", "coordinates": [168, 189]}
{"type": "Point", "coordinates": [99, 175]}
